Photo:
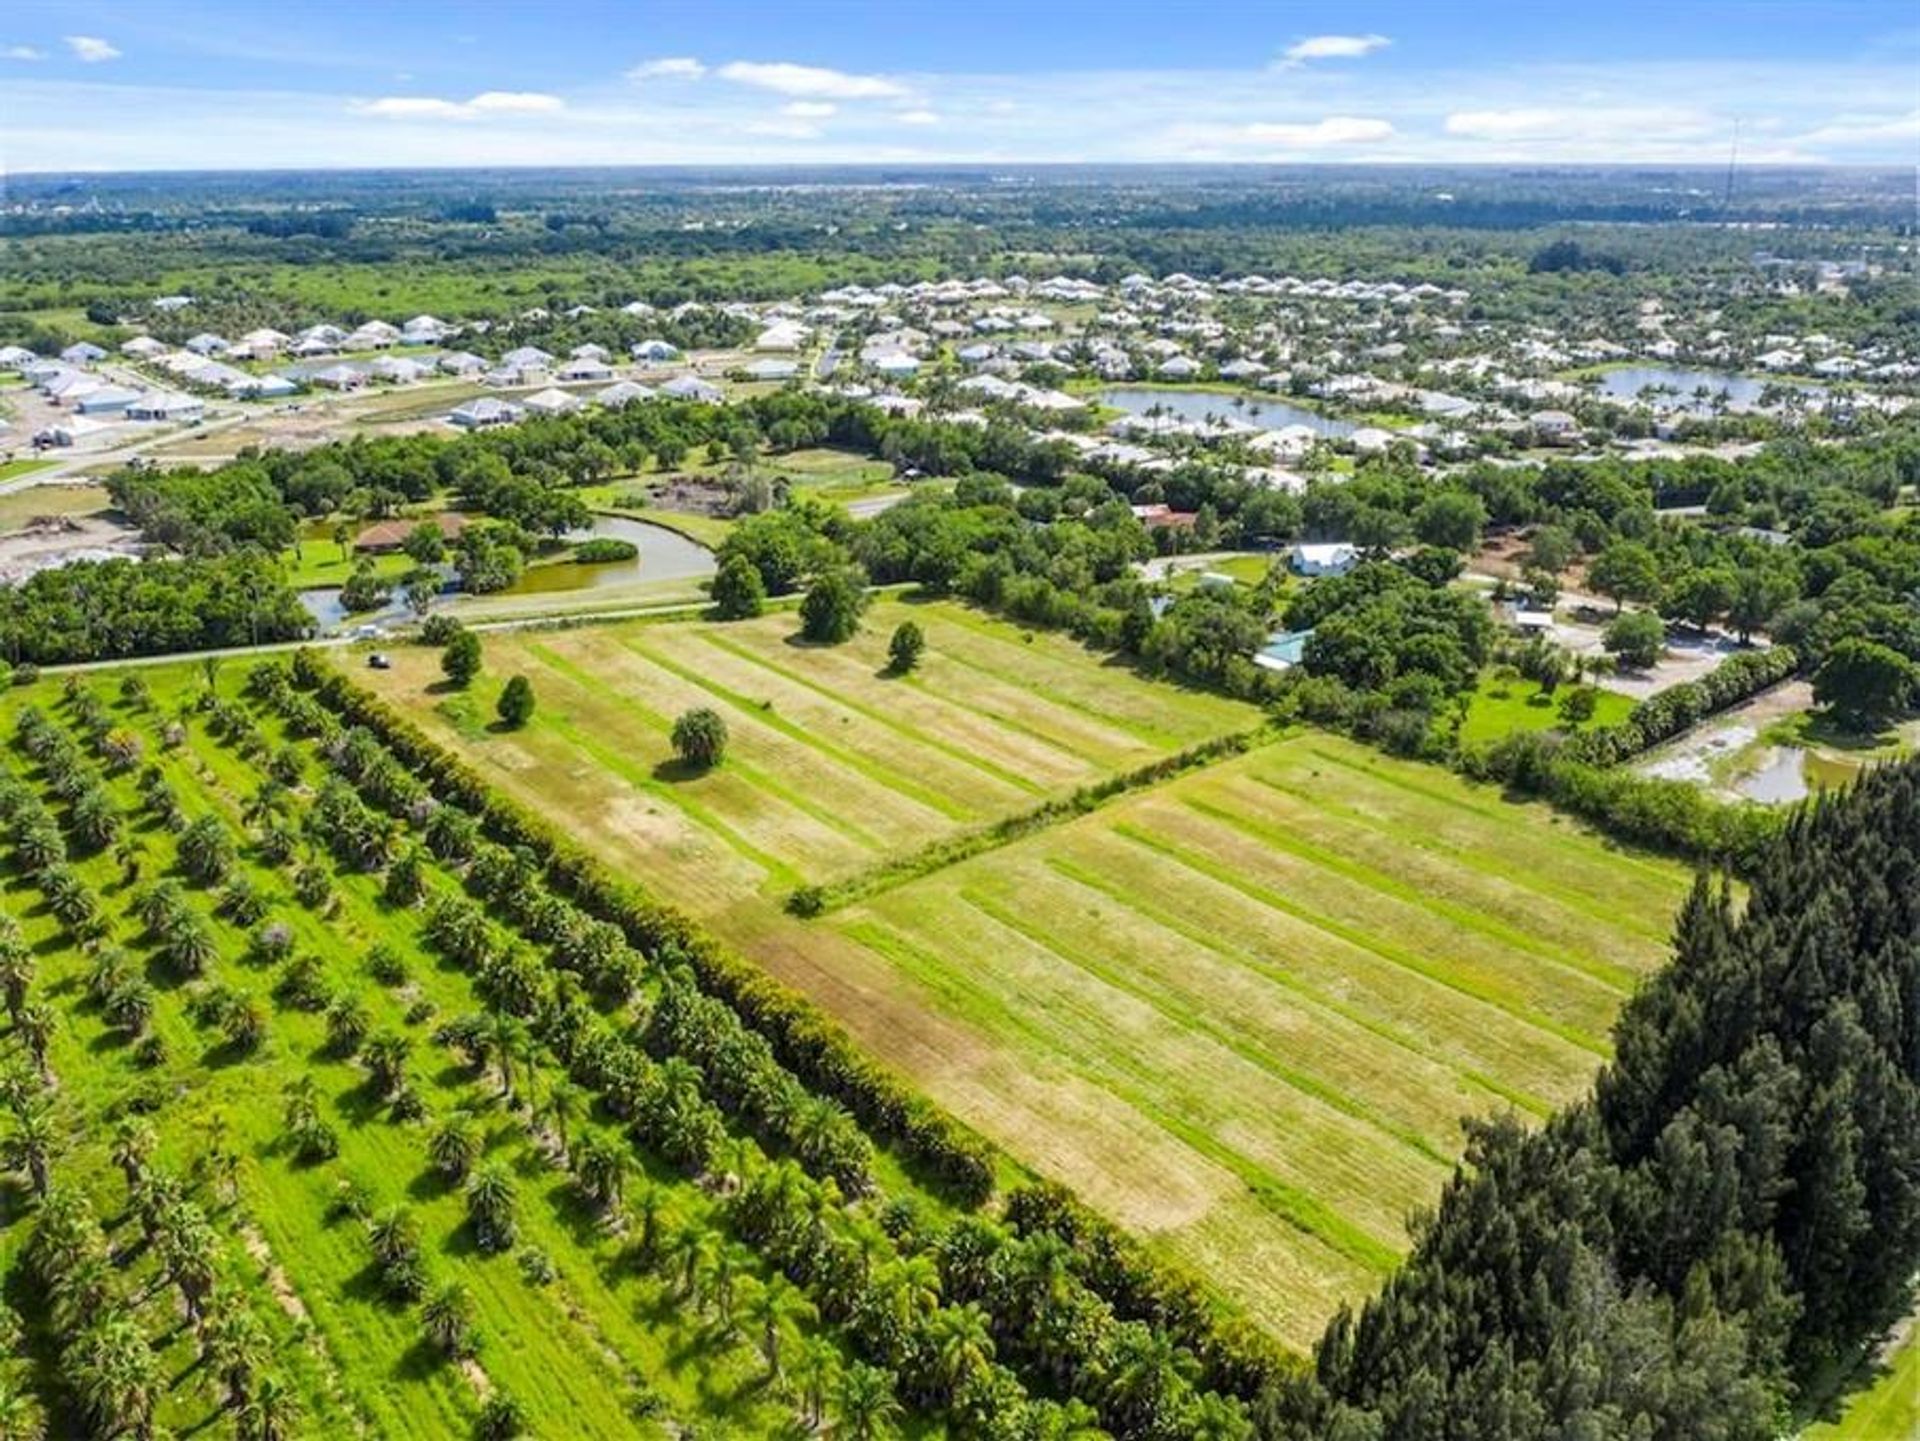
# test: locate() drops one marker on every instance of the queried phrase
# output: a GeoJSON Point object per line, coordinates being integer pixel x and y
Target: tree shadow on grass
{"type": "Point", "coordinates": [419, 1361]}
{"type": "Point", "coordinates": [676, 770]}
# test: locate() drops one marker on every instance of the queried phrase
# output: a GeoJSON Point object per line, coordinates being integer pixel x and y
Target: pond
{"type": "Point", "coordinates": [1789, 773]}
{"type": "Point", "coordinates": [664, 555]}
{"type": "Point", "coordinates": [1628, 381]}
{"type": "Point", "coordinates": [1197, 405]}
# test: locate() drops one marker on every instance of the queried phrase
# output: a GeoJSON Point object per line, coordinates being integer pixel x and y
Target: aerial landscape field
{"type": "Point", "coordinates": [997, 723]}
{"type": "Point", "coordinates": [1243, 1010]}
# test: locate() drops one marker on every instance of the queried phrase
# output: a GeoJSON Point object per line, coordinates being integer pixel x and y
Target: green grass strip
{"type": "Point", "coordinates": [1386, 950]}
{"type": "Point", "coordinates": [876, 715]}
{"type": "Point", "coordinates": [1174, 1010]}
{"type": "Point", "coordinates": [881, 775]}
{"type": "Point", "coordinates": [1305, 1213]}
{"type": "Point", "coordinates": [1614, 978]}
{"type": "Point", "coordinates": [1466, 858]}
{"type": "Point", "coordinates": [1311, 995]}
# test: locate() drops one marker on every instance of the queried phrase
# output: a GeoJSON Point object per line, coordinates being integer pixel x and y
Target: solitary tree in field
{"type": "Point", "coordinates": [903, 651]}
{"type": "Point", "coordinates": [700, 738]}
{"type": "Point", "coordinates": [515, 706]}
{"type": "Point", "coordinates": [461, 659]}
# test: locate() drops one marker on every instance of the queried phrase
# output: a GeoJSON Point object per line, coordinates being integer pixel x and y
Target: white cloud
{"type": "Point", "coordinates": [1332, 47]}
{"type": "Point", "coordinates": [1864, 129]}
{"type": "Point", "coordinates": [1334, 130]}
{"type": "Point", "coordinates": [488, 102]}
{"type": "Point", "coordinates": [668, 67]}
{"type": "Point", "coordinates": [22, 52]}
{"type": "Point", "coordinates": [811, 81]}
{"type": "Point", "coordinates": [1580, 123]}
{"type": "Point", "coordinates": [917, 117]}
{"type": "Point", "coordinates": [783, 129]}
{"type": "Point", "coordinates": [90, 49]}
{"type": "Point", "coordinates": [809, 110]}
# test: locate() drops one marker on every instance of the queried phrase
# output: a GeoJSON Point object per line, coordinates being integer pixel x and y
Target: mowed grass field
{"type": "Point", "coordinates": [1242, 1012]}
{"type": "Point", "coordinates": [833, 765]}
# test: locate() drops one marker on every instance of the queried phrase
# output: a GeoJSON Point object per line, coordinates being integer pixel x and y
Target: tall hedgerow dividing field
{"type": "Point", "coordinates": [326, 1114]}
{"type": "Point", "coordinates": [1242, 1011]}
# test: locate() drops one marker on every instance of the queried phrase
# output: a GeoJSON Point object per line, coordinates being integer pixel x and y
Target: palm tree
{"type": "Point", "coordinates": [30, 1146]}
{"type": "Point", "coordinates": [601, 1166]}
{"type": "Point", "coordinates": [963, 1344]}
{"type": "Point", "coordinates": [116, 1375]}
{"type": "Point", "coordinates": [454, 1147]}
{"type": "Point", "coordinates": [448, 1317]}
{"type": "Point", "coordinates": [270, 1414]}
{"type": "Point", "coordinates": [36, 1024]}
{"type": "Point", "coordinates": [20, 1416]}
{"type": "Point", "coordinates": [564, 1107]}
{"type": "Point", "coordinates": [1146, 1371]}
{"type": "Point", "coordinates": [692, 1249]}
{"type": "Point", "coordinates": [16, 967]}
{"type": "Point", "coordinates": [386, 1060]}
{"type": "Point", "coordinates": [133, 1146]}
{"type": "Point", "coordinates": [187, 1248]}
{"type": "Point", "coordinates": [508, 1042]}
{"type": "Point", "coordinates": [868, 1408]}
{"type": "Point", "coordinates": [815, 1373]}
{"type": "Point", "coordinates": [233, 1343]}
{"type": "Point", "coordinates": [773, 1310]}
{"type": "Point", "coordinates": [490, 1200]}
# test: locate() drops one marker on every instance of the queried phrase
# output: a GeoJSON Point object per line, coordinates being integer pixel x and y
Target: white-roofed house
{"type": "Point", "coordinates": [399, 370]}
{"type": "Point", "coordinates": [654, 352]}
{"type": "Point", "coordinates": [623, 392]}
{"type": "Point", "coordinates": [551, 402]}
{"type": "Point", "coordinates": [143, 347]}
{"type": "Point", "coordinates": [692, 387]}
{"type": "Point", "coordinates": [484, 411]}
{"type": "Point", "coordinates": [339, 377]}
{"type": "Point", "coordinates": [1336, 558]}
{"type": "Point", "coordinates": [107, 400]}
{"type": "Point", "coordinates": [584, 367]}
{"type": "Point", "coordinates": [83, 352]}
{"type": "Point", "coordinates": [163, 405]}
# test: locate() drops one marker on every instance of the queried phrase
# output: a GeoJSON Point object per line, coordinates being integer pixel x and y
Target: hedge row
{"type": "Point", "coordinates": [937, 855]}
{"type": "Point", "coordinates": [1679, 708]}
{"type": "Point", "coordinates": [1235, 1358]}
{"type": "Point", "coordinates": [808, 1043]}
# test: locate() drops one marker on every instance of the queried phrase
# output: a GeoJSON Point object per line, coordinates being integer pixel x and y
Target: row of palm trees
{"type": "Point", "coordinates": [852, 1274]}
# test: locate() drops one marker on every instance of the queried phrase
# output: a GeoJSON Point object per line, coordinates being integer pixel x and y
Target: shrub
{"type": "Point", "coordinates": [460, 660]}
{"type": "Point", "coordinates": [904, 650]}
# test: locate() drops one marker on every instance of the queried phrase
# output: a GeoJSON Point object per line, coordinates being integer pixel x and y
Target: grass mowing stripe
{"type": "Point", "coordinates": [745, 770]}
{"type": "Point", "coordinates": [1287, 981]}
{"type": "Point", "coordinates": [1134, 730]}
{"type": "Point", "coordinates": [881, 775]}
{"type": "Point", "coordinates": [1184, 1017]}
{"type": "Point", "coordinates": [1465, 858]}
{"type": "Point", "coordinates": [1614, 978]}
{"type": "Point", "coordinates": [1622, 854]}
{"type": "Point", "coordinates": [878, 717]}
{"type": "Point", "coordinates": [1302, 1211]}
{"type": "Point", "coordinates": [1386, 950]}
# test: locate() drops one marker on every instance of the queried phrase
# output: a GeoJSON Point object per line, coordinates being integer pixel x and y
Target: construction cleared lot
{"type": "Point", "coordinates": [1243, 1010]}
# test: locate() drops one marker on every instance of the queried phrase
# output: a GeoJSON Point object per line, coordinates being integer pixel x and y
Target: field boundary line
{"type": "Point", "coordinates": [938, 855]}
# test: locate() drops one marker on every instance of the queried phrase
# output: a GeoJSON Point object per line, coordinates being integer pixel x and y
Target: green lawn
{"type": "Point", "coordinates": [14, 469]}
{"type": "Point", "coordinates": [1241, 1012]}
{"type": "Point", "coordinates": [1500, 708]}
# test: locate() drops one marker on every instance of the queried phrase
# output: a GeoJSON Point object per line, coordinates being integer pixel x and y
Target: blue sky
{"type": "Point", "coordinates": [163, 84]}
